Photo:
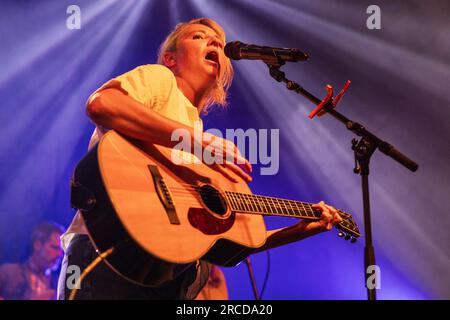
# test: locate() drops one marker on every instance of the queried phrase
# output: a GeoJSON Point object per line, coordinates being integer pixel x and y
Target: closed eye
{"type": "Point", "coordinates": [203, 36]}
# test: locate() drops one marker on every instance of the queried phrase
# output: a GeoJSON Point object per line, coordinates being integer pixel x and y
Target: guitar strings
{"type": "Point", "coordinates": [191, 192]}
{"type": "Point", "coordinates": [188, 190]}
{"type": "Point", "coordinates": [284, 204]}
{"type": "Point", "coordinates": [264, 202]}
{"type": "Point", "coordinates": [254, 197]}
{"type": "Point", "coordinates": [267, 208]}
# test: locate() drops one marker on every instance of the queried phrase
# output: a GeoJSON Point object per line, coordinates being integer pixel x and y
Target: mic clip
{"type": "Point", "coordinates": [275, 61]}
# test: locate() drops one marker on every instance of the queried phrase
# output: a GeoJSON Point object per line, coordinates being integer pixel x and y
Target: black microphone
{"type": "Point", "coordinates": [237, 50]}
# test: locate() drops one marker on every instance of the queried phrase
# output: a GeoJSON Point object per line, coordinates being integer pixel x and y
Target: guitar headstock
{"type": "Point", "coordinates": [348, 227]}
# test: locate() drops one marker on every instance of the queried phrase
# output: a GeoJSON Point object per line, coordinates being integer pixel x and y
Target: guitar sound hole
{"type": "Point", "coordinates": [213, 200]}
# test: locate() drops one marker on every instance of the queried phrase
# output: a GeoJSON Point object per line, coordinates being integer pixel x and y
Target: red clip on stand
{"type": "Point", "coordinates": [329, 102]}
{"type": "Point", "coordinates": [363, 150]}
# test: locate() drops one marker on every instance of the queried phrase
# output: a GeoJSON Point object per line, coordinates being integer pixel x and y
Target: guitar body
{"type": "Point", "coordinates": [158, 216]}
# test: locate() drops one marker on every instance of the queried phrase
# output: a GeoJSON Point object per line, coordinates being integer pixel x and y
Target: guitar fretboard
{"type": "Point", "coordinates": [251, 203]}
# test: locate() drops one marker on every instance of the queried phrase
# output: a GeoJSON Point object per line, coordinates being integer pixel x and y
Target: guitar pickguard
{"type": "Point", "coordinates": [202, 220]}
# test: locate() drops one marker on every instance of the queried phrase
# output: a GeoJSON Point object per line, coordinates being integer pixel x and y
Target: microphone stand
{"type": "Point", "coordinates": [363, 150]}
{"type": "Point", "coordinates": [252, 278]}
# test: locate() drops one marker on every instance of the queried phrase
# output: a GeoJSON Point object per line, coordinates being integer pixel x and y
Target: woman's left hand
{"type": "Point", "coordinates": [328, 219]}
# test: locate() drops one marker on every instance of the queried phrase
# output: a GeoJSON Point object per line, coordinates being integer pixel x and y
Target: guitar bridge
{"type": "Point", "coordinates": [164, 194]}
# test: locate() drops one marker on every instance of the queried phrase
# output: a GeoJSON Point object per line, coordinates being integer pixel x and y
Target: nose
{"type": "Point", "coordinates": [214, 41]}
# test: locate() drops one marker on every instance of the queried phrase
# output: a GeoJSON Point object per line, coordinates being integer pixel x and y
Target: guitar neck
{"type": "Point", "coordinates": [270, 206]}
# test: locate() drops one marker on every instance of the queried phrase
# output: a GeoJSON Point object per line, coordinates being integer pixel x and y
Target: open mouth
{"type": "Point", "coordinates": [212, 56]}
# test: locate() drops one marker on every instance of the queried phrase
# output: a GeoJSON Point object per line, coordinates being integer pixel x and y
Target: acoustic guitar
{"type": "Point", "coordinates": [161, 217]}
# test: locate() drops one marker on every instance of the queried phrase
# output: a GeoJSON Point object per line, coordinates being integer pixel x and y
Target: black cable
{"type": "Point", "coordinates": [88, 270]}
{"type": "Point", "coordinates": [267, 275]}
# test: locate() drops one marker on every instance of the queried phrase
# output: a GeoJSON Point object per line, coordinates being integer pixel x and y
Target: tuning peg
{"type": "Point", "coordinates": [347, 237]}
{"type": "Point", "coordinates": [340, 234]}
{"type": "Point", "coordinates": [353, 240]}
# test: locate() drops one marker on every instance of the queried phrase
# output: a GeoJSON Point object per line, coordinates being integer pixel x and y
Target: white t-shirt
{"type": "Point", "coordinates": [155, 87]}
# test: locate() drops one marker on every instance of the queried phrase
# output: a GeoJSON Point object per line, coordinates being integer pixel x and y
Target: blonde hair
{"type": "Point", "coordinates": [218, 95]}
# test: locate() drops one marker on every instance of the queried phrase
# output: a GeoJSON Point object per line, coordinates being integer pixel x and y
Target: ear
{"type": "Point", "coordinates": [169, 59]}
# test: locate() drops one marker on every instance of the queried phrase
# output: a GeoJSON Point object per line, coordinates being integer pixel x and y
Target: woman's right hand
{"type": "Point", "coordinates": [225, 157]}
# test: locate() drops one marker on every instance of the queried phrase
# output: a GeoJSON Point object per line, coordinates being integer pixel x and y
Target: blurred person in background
{"type": "Point", "coordinates": [34, 279]}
